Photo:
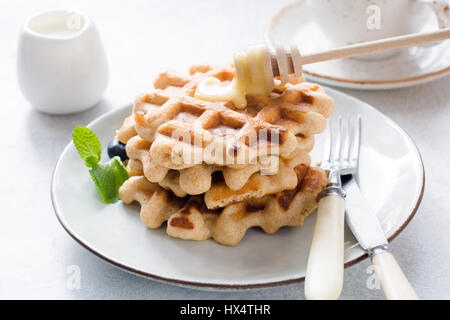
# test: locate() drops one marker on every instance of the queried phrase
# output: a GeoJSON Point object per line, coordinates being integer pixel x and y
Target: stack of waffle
{"type": "Point", "coordinates": [213, 171]}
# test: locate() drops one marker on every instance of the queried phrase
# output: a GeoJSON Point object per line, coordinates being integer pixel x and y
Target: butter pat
{"type": "Point", "coordinates": [253, 76]}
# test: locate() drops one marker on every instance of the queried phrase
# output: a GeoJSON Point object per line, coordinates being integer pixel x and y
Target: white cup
{"type": "Point", "coordinates": [348, 22]}
{"type": "Point", "coordinates": [61, 63]}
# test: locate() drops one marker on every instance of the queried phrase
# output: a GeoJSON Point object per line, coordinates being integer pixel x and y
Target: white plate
{"type": "Point", "coordinates": [391, 175]}
{"type": "Point", "coordinates": [295, 24]}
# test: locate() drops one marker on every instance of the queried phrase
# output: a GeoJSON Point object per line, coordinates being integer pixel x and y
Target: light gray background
{"type": "Point", "coordinates": [141, 37]}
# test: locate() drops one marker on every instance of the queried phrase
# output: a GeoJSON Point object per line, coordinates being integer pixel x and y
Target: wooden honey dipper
{"type": "Point", "coordinates": [286, 62]}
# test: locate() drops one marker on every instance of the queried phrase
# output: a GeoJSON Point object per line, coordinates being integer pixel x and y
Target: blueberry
{"type": "Point", "coordinates": [117, 148]}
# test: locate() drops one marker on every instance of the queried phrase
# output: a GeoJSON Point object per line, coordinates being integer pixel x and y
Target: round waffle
{"type": "Point", "coordinates": [190, 218]}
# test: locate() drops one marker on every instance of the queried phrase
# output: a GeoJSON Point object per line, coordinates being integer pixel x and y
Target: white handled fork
{"type": "Point", "coordinates": [325, 268]}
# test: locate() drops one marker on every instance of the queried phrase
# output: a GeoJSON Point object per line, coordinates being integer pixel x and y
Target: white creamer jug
{"type": "Point", "coordinates": [61, 62]}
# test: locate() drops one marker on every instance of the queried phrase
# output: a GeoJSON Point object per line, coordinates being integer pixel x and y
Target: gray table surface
{"type": "Point", "coordinates": [141, 37]}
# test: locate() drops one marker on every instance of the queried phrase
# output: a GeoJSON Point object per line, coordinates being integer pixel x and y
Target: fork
{"type": "Point", "coordinates": [325, 268]}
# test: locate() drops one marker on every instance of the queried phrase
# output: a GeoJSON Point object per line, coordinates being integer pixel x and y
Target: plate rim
{"type": "Point", "coordinates": [359, 84]}
{"type": "Point", "coordinates": [218, 286]}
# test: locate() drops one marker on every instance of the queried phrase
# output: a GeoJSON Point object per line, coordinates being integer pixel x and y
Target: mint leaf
{"type": "Point", "coordinates": [88, 145]}
{"type": "Point", "coordinates": [108, 178]}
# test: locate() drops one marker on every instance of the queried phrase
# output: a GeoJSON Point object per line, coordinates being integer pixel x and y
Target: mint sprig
{"type": "Point", "coordinates": [88, 145]}
{"type": "Point", "coordinates": [109, 176]}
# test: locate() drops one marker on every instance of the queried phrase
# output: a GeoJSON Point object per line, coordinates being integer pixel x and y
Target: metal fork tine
{"type": "Point", "coordinates": [345, 147]}
{"type": "Point", "coordinates": [341, 150]}
{"type": "Point", "coordinates": [327, 151]}
{"type": "Point", "coordinates": [356, 140]}
{"type": "Point", "coordinates": [336, 145]}
{"type": "Point", "coordinates": [351, 137]}
{"type": "Point", "coordinates": [341, 138]}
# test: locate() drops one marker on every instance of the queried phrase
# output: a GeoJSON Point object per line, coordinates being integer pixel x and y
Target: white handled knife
{"type": "Point", "coordinates": [364, 224]}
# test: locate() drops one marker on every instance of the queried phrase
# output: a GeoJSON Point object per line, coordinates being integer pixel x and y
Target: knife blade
{"type": "Point", "coordinates": [366, 227]}
{"type": "Point", "coordinates": [360, 216]}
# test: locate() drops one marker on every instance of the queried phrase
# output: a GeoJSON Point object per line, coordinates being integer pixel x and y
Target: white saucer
{"type": "Point", "coordinates": [295, 24]}
{"type": "Point", "coordinates": [391, 176]}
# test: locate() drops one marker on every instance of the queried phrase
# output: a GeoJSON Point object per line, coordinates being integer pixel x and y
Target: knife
{"type": "Point", "coordinates": [363, 222]}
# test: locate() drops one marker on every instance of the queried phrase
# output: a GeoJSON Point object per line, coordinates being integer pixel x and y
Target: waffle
{"type": "Point", "coordinates": [157, 204]}
{"type": "Point", "coordinates": [215, 133]}
{"type": "Point", "coordinates": [237, 183]}
{"type": "Point", "coordinates": [257, 186]}
{"type": "Point", "coordinates": [127, 130]}
{"type": "Point", "coordinates": [189, 217]}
